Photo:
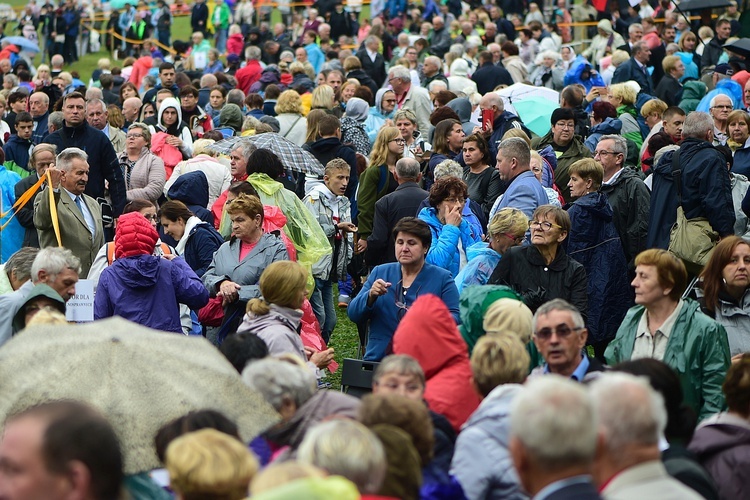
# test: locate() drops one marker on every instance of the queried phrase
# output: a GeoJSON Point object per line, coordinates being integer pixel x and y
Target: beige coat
{"type": "Point", "coordinates": [147, 178]}
{"type": "Point", "coordinates": [117, 138]}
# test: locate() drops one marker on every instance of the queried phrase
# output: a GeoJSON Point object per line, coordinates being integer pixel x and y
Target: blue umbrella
{"type": "Point", "coordinates": [22, 43]}
{"type": "Point", "coordinates": [536, 113]}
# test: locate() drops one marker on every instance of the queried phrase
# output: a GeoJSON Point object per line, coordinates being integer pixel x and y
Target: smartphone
{"type": "Point", "coordinates": [487, 119]}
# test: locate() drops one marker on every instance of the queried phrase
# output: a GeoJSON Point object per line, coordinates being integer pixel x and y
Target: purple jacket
{"type": "Point", "coordinates": [147, 290]}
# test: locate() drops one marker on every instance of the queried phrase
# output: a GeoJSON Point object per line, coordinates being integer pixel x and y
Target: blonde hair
{"type": "Point", "coordinates": [517, 132]}
{"type": "Point", "coordinates": [313, 122]}
{"type": "Point", "coordinates": [47, 316]}
{"type": "Point", "coordinates": [588, 168]}
{"type": "Point", "coordinates": [626, 92]}
{"type": "Point", "coordinates": [200, 147]}
{"type": "Point", "coordinates": [379, 153]}
{"type": "Point", "coordinates": [322, 97]}
{"type": "Point", "coordinates": [619, 57]}
{"type": "Point", "coordinates": [653, 106]}
{"type": "Point", "coordinates": [350, 82]}
{"type": "Point", "coordinates": [103, 63]}
{"type": "Point", "coordinates": [497, 360]}
{"type": "Point", "coordinates": [509, 220]}
{"type": "Point", "coordinates": [280, 284]}
{"type": "Point", "coordinates": [289, 102]}
{"type": "Point", "coordinates": [209, 462]}
{"type": "Point", "coordinates": [278, 474]}
{"type": "Point", "coordinates": [296, 67]}
{"type": "Point", "coordinates": [509, 316]}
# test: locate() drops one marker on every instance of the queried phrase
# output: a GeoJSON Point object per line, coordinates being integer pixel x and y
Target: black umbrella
{"type": "Point", "coordinates": [687, 5]}
{"type": "Point", "coordinates": [740, 47]}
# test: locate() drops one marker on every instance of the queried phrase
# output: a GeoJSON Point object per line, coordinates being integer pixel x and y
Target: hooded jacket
{"type": "Point", "coordinates": [482, 461]}
{"type": "Point", "coordinates": [328, 148]}
{"type": "Point", "coordinates": [575, 152]}
{"type": "Point", "coordinates": [198, 244]}
{"type": "Point", "coordinates": [608, 126]}
{"type": "Point", "coordinates": [352, 126]}
{"type": "Point", "coordinates": [147, 289]}
{"type": "Point", "coordinates": [692, 93]}
{"type": "Point", "coordinates": [697, 350]}
{"type": "Point", "coordinates": [192, 189]}
{"type": "Point", "coordinates": [231, 116]}
{"type": "Point", "coordinates": [363, 79]}
{"type": "Point", "coordinates": [630, 200]}
{"type": "Point", "coordinates": [441, 352]}
{"type": "Point", "coordinates": [722, 445]}
{"type": "Point", "coordinates": [39, 290]}
{"type": "Point", "coordinates": [595, 243]}
{"type": "Point", "coordinates": [473, 305]}
{"type": "Point", "coordinates": [279, 329]}
{"type": "Point", "coordinates": [217, 175]}
{"type": "Point", "coordinates": [706, 191]}
{"type": "Point", "coordinates": [17, 150]}
{"type": "Point", "coordinates": [377, 117]}
{"type": "Point", "coordinates": [178, 129]}
{"type": "Point", "coordinates": [462, 107]}
{"type": "Point", "coordinates": [459, 80]}
{"type": "Point", "coordinates": [575, 74]}
{"type": "Point", "coordinates": [444, 251]}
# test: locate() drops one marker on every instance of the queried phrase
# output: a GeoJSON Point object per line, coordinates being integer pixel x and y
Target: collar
{"type": "Point", "coordinates": [72, 196]}
{"type": "Point", "coordinates": [665, 329]}
{"type": "Point", "coordinates": [551, 488]}
{"type": "Point", "coordinates": [105, 130]}
{"type": "Point", "coordinates": [579, 372]}
{"type": "Point", "coordinates": [614, 178]}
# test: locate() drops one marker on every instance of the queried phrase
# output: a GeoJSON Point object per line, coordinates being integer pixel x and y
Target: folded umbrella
{"type": "Point", "coordinates": [688, 5]}
{"type": "Point", "coordinates": [740, 47]}
{"type": "Point", "coordinates": [139, 378]}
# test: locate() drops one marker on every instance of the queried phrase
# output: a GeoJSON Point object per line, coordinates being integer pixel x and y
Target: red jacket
{"type": "Point", "coordinates": [235, 44]}
{"type": "Point", "coordinates": [429, 334]}
{"type": "Point", "coordinates": [248, 75]}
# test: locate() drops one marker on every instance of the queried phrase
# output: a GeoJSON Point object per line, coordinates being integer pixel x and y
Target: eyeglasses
{"type": "Point", "coordinates": [454, 200]}
{"type": "Point", "coordinates": [543, 225]}
{"type": "Point", "coordinates": [562, 331]}
{"type": "Point", "coordinates": [722, 106]}
{"type": "Point", "coordinates": [605, 153]}
{"type": "Point", "coordinates": [151, 216]}
{"type": "Point", "coordinates": [134, 136]}
{"type": "Point", "coordinates": [399, 141]}
{"type": "Point", "coordinates": [565, 126]}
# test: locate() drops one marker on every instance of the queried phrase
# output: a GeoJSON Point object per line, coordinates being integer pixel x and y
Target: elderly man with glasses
{"type": "Point", "coordinates": [560, 336]}
{"type": "Point", "coordinates": [719, 108]}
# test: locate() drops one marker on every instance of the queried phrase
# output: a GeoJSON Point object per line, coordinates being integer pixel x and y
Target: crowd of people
{"type": "Point", "coordinates": [506, 278]}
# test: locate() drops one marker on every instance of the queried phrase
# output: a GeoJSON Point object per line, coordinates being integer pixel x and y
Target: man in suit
{"type": "Point", "coordinates": [635, 33]}
{"type": "Point", "coordinates": [403, 202]}
{"type": "Point", "coordinates": [42, 157]}
{"type": "Point", "coordinates": [635, 68]}
{"type": "Point", "coordinates": [98, 117]}
{"type": "Point", "coordinates": [631, 427]}
{"type": "Point", "coordinates": [372, 61]}
{"type": "Point", "coordinates": [79, 215]}
{"type": "Point", "coordinates": [549, 466]}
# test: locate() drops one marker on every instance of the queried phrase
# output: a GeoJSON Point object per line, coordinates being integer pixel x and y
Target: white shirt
{"type": "Point", "coordinates": [648, 346]}
{"type": "Point", "coordinates": [371, 54]}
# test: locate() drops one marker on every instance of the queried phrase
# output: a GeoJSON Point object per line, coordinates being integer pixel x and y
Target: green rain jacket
{"type": "Point", "coordinates": [697, 350]}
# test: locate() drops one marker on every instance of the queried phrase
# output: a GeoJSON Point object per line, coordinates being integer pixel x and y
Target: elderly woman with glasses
{"type": "Point", "coordinates": [543, 270]}
{"type": "Point", "coordinates": [392, 288]}
{"type": "Point", "coordinates": [451, 233]}
{"type": "Point", "coordinates": [144, 172]}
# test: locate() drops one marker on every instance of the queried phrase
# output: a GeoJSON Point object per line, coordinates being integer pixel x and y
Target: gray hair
{"type": "Point", "coordinates": [434, 60]}
{"type": "Point", "coordinates": [246, 149]}
{"type": "Point", "coordinates": [94, 101]}
{"type": "Point", "coordinates": [555, 421]}
{"type": "Point", "coordinates": [714, 98]}
{"type": "Point", "coordinates": [515, 147]}
{"type": "Point", "coordinates": [448, 168]}
{"type": "Point", "coordinates": [400, 72]}
{"type": "Point", "coordinates": [252, 53]}
{"type": "Point", "coordinates": [144, 130]}
{"type": "Point", "coordinates": [401, 364]}
{"type": "Point", "coordinates": [697, 124]}
{"type": "Point", "coordinates": [636, 416]}
{"type": "Point", "coordinates": [10, 77]}
{"type": "Point", "coordinates": [65, 159]}
{"type": "Point", "coordinates": [45, 97]}
{"type": "Point", "coordinates": [635, 26]}
{"type": "Point", "coordinates": [21, 262]}
{"type": "Point", "coordinates": [56, 119]}
{"type": "Point", "coordinates": [236, 96]}
{"type": "Point", "coordinates": [54, 260]}
{"type": "Point", "coordinates": [434, 84]}
{"type": "Point", "coordinates": [620, 144]}
{"type": "Point", "coordinates": [639, 46]}
{"type": "Point", "coordinates": [278, 381]}
{"type": "Point", "coordinates": [558, 305]}
{"type": "Point", "coordinates": [371, 39]}
{"type": "Point", "coordinates": [407, 168]}
{"type": "Point", "coordinates": [149, 81]}
{"type": "Point", "coordinates": [93, 94]}
{"type": "Point", "coordinates": [403, 38]}
{"type": "Point", "coordinates": [457, 48]}
{"type": "Point", "coordinates": [346, 448]}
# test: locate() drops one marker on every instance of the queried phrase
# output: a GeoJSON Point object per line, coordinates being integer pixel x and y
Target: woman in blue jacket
{"type": "Point", "coordinates": [197, 241]}
{"type": "Point", "coordinates": [392, 288]}
{"type": "Point", "coordinates": [451, 233]}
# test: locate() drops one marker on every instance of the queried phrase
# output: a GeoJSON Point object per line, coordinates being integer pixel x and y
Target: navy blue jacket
{"type": "Point", "coordinates": [629, 70]}
{"type": "Point", "coordinates": [42, 128]}
{"type": "Point", "coordinates": [488, 76]}
{"type": "Point", "coordinates": [17, 150]}
{"type": "Point", "coordinates": [741, 164]}
{"type": "Point", "coordinates": [706, 192]}
{"type": "Point", "coordinates": [203, 241]}
{"type": "Point", "coordinates": [192, 190]}
{"type": "Point", "coordinates": [595, 244]}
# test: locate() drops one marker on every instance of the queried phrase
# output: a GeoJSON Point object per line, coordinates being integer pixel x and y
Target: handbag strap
{"type": "Point", "coordinates": [290, 128]}
{"type": "Point", "coordinates": [677, 175]}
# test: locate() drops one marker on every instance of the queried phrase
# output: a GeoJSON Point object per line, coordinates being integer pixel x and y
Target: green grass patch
{"type": "Point", "coordinates": [345, 341]}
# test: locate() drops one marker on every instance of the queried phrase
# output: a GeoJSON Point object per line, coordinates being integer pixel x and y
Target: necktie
{"type": "Point", "coordinates": [79, 203]}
